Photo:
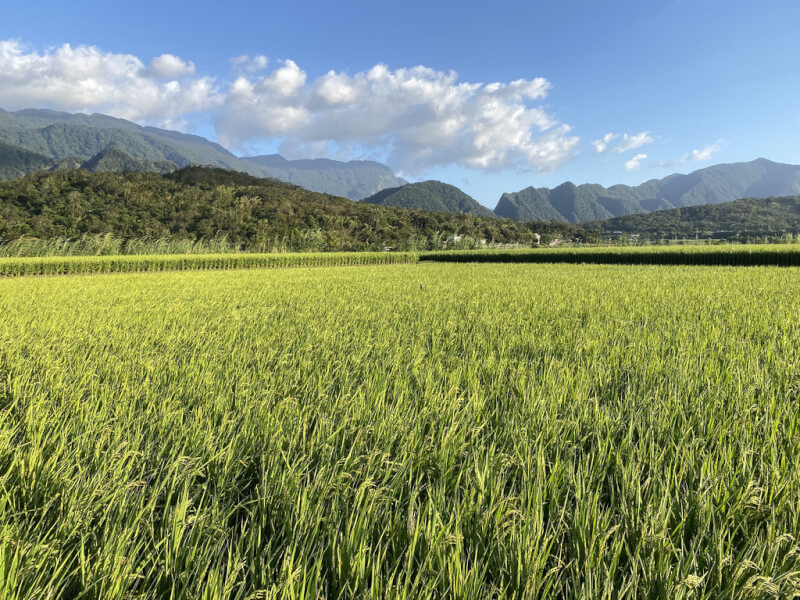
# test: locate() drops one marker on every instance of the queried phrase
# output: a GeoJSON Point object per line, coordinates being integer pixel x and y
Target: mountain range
{"type": "Point", "coordinates": [35, 139]}
{"type": "Point", "coordinates": [760, 178]}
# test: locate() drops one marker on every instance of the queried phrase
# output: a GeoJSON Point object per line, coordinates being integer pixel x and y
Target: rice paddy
{"type": "Point", "coordinates": [428, 430]}
{"type": "Point", "coordinates": [727, 255]}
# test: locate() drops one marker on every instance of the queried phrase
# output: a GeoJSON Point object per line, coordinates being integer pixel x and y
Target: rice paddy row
{"type": "Point", "coordinates": [733, 255]}
{"type": "Point", "coordinates": [74, 265]}
{"type": "Point", "coordinates": [710, 255]}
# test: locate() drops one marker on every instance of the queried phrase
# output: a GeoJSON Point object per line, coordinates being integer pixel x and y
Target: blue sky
{"type": "Point", "coordinates": [689, 83]}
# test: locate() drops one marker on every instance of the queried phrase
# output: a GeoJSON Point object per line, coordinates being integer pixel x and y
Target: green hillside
{"type": "Point", "coordinates": [529, 204]}
{"type": "Point", "coordinates": [196, 203]}
{"type": "Point", "coordinates": [112, 159]}
{"type": "Point", "coordinates": [746, 217]}
{"type": "Point", "coordinates": [78, 137]}
{"type": "Point", "coordinates": [16, 161]}
{"type": "Point", "coordinates": [355, 179]}
{"type": "Point", "coordinates": [712, 185]}
{"type": "Point", "coordinates": [431, 195]}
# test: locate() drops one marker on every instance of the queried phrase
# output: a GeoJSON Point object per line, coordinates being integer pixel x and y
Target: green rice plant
{"type": "Point", "coordinates": [423, 430]}
{"type": "Point", "coordinates": [739, 255]}
{"type": "Point", "coordinates": [732, 255]}
{"type": "Point", "coordinates": [73, 265]}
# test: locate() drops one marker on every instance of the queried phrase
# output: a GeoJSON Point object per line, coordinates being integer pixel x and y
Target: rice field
{"type": "Point", "coordinates": [95, 265]}
{"type": "Point", "coordinates": [427, 430]}
{"type": "Point", "coordinates": [726, 255]}
{"type": "Point", "coordinates": [701, 254]}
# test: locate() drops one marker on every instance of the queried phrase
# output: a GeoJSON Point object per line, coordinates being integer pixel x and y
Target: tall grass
{"type": "Point", "coordinates": [111, 245]}
{"type": "Point", "coordinates": [427, 431]}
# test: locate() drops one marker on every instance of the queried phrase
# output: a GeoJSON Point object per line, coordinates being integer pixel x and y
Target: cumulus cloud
{"type": "Point", "coordinates": [85, 79]}
{"type": "Point", "coordinates": [635, 162]}
{"type": "Point", "coordinates": [414, 118]}
{"type": "Point", "coordinates": [626, 142]}
{"type": "Point", "coordinates": [419, 117]}
{"type": "Point", "coordinates": [696, 155]}
{"type": "Point", "coordinates": [168, 66]}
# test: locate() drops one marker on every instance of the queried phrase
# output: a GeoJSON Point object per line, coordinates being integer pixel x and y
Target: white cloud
{"type": "Point", "coordinates": [634, 141]}
{"type": "Point", "coordinates": [419, 117]}
{"type": "Point", "coordinates": [601, 145]}
{"type": "Point", "coordinates": [168, 66]}
{"type": "Point", "coordinates": [414, 118]}
{"type": "Point", "coordinates": [635, 162]}
{"type": "Point", "coordinates": [628, 142]}
{"type": "Point", "coordinates": [701, 155]}
{"type": "Point", "coordinates": [246, 64]}
{"type": "Point", "coordinates": [85, 79]}
{"type": "Point", "coordinates": [286, 81]}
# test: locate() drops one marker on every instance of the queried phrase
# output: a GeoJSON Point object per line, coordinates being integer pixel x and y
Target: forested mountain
{"type": "Point", "coordinates": [194, 203]}
{"type": "Point", "coordinates": [747, 217]}
{"type": "Point", "coordinates": [16, 161]}
{"type": "Point", "coordinates": [41, 140]}
{"type": "Point", "coordinates": [431, 195]}
{"type": "Point", "coordinates": [114, 160]}
{"type": "Point", "coordinates": [713, 185]}
{"type": "Point", "coordinates": [354, 179]}
{"type": "Point", "coordinates": [77, 138]}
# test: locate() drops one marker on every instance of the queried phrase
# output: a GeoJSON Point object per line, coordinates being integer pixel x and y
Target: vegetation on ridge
{"type": "Point", "coordinates": [433, 196]}
{"type": "Point", "coordinates": [204, 203]}
{"type": "Point", "coordinates": [731, 220]}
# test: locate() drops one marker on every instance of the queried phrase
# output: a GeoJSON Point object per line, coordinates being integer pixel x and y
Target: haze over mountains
{"type": "Point", "coordinates": [34, 139]}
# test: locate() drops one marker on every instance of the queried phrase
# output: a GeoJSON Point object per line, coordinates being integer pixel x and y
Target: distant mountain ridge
{"type": "Point", "coordinates": [433, 196]}
{"type": "Point", "coordinates": [747, 217]}
{"type": "Point", "coordinates": [114, 160]}
{"type": "Point", "coordinates": [34, 140]}
{"type": "Point", "coordinates": [712, 185]}
{"type": "Point", "coordinates": [76, 138]}
{"type": "Point", "coordinates": [355, 179]}
{"type": "Point", "coordinates": [16, 162]}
